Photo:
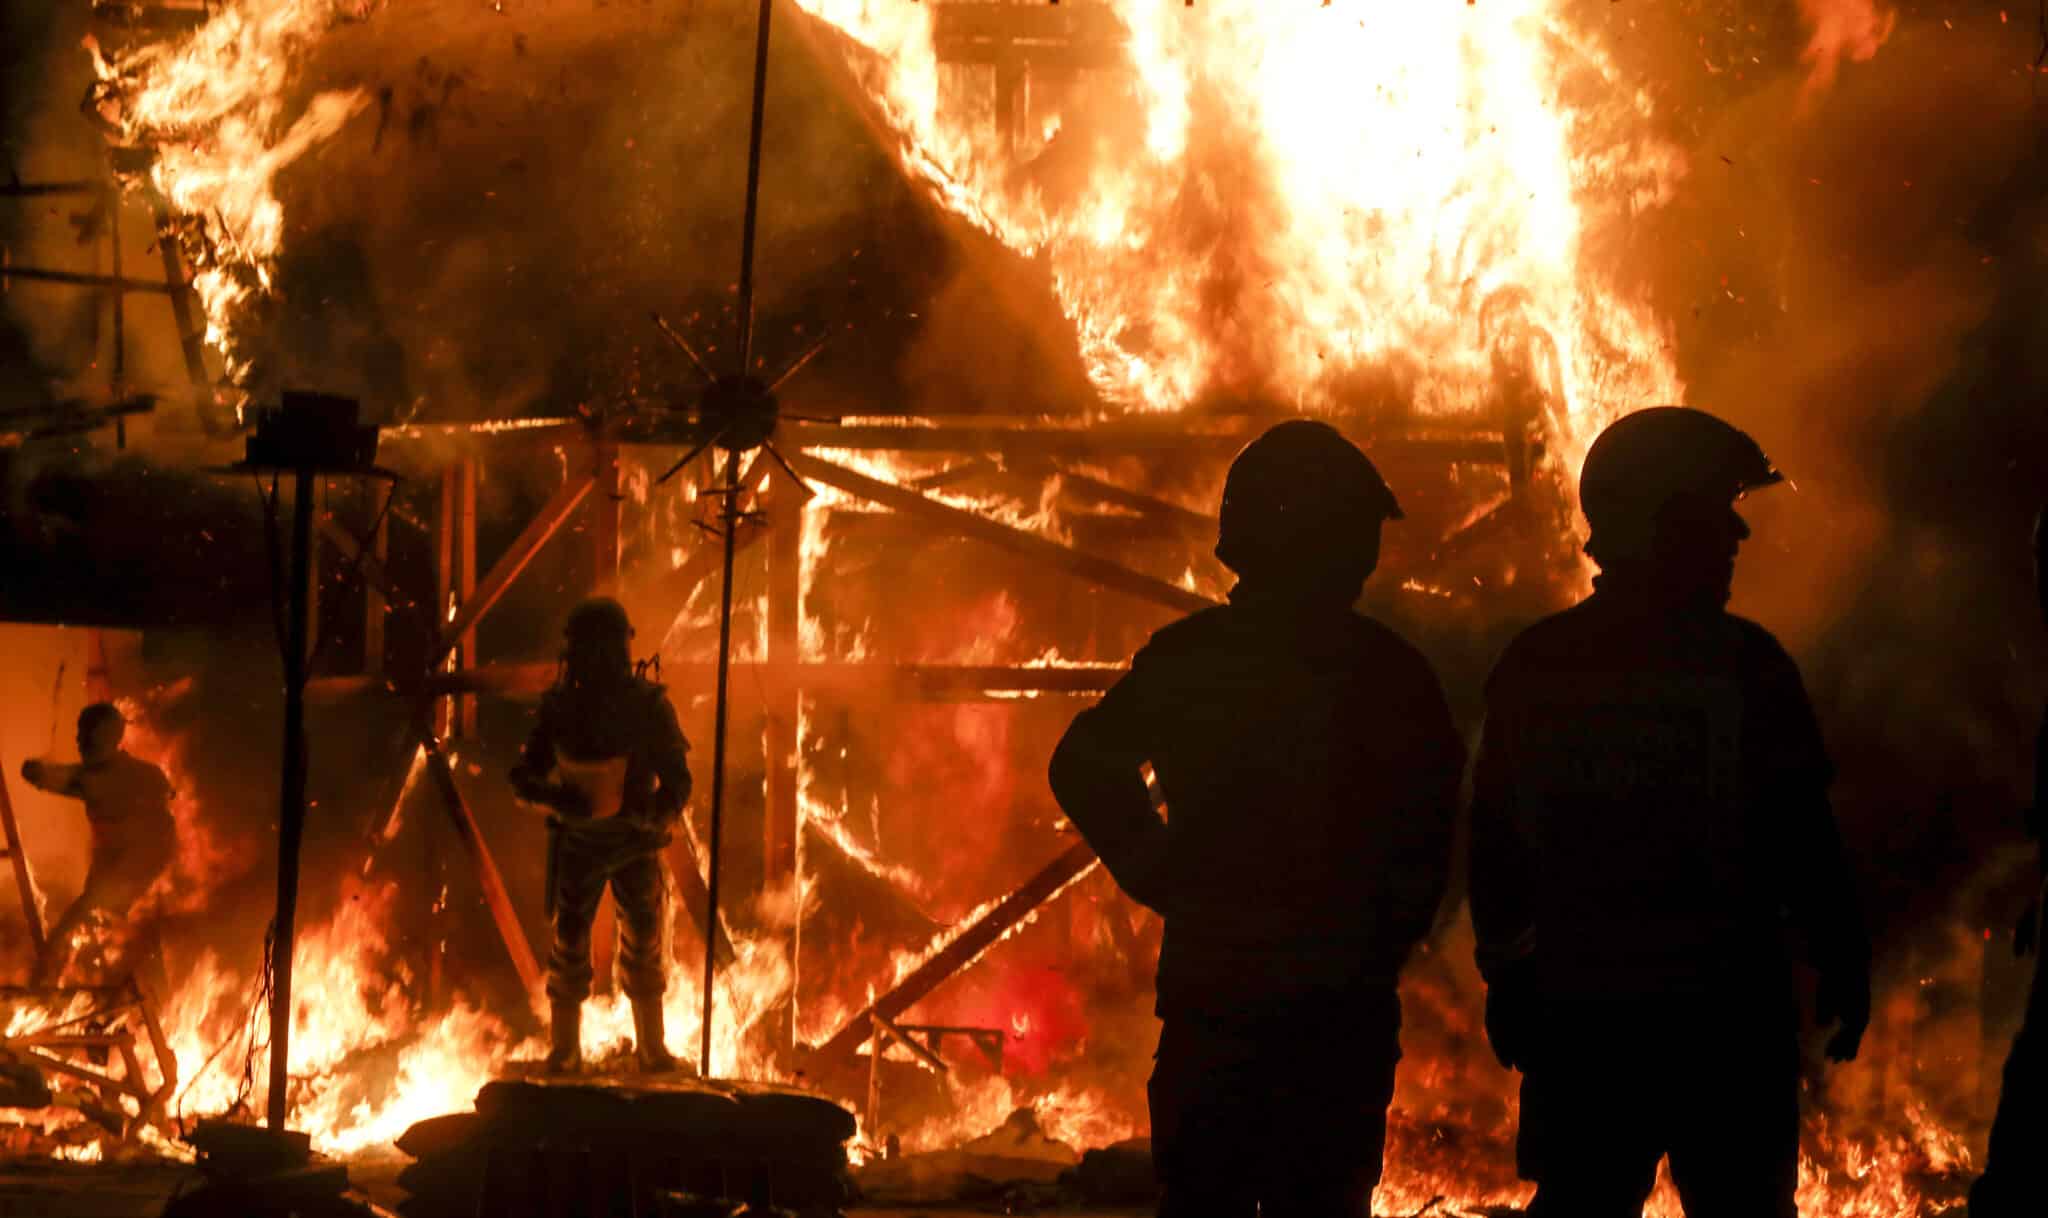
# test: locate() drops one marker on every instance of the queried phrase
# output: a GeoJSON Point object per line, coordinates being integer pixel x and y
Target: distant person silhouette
{"type": "Point", "coordinates": [1305, 771]}
{"type": "Point", "coordinates": [134, 840]}
{"type": "Point", "coordinates": [608, 760]}
{"type": "Point", "coordinates": [1650, 818]}
{"type": "Point", "coordinates": [2011, 1183]}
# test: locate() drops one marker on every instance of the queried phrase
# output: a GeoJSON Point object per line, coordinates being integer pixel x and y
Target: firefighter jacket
{"type": "Point", "coordinates": [1294, 832]}
{"type": "Point", "coordinates": [628, 718]}
{"type": "Point", "coordinates": [1650, 808]}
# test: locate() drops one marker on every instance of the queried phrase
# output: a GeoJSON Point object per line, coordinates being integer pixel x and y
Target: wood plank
{"type": "Point", "coordinates": [545, 524]}
{"type": "Point", "coordinates": [963, 950]}
{"type": "Point", "coordinates": [503, 913]}
{"type": "Point", "coordinates": [1099, 571]}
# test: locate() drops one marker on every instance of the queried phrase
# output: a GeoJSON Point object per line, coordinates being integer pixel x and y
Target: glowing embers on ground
{"type": "Point", "coordinates": [1326, 206]}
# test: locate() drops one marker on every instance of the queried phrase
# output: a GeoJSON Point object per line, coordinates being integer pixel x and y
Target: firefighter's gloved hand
{"type": "Point", "coordinates": [32, 772]}
{"type": "Point", "coordinates": [1844, 997]}
{"type": "Point", "coordinates": [1511, 1016]}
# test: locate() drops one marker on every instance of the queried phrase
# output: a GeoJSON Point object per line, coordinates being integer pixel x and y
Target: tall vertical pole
{"type": "Point", "coordinates": [748, 221]}
{"type": "Point", "coordinates": [785, 709]}
{"type": "Point", "coordinates": [447, 523]}
{"type": "Point", "coordinates": [731, 492]}
{"type": "Point", "coordinates": [291, 822]}
{"type": "Point", "coordinates": [465, 562]}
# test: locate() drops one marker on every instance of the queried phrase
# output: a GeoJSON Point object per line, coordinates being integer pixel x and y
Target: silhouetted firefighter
{"type": "Point", "coordinates": [608, 759]}
{"type": "Point", "coordinates": [2011, 1182]}
{"type": "Point", "coordinates": [1309, 769]}
{"type": "Point", "coordinates": [134, 838]}
{"type": "Point", "coordinates": [1650, 810]}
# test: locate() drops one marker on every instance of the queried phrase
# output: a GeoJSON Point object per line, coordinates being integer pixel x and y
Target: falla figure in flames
{"type": "Point", "coordinates": [134, 839]}
{"type": "Point", "coordinates": [1309, 770]}
{"type": "Point", "coordinates": [608, 761]}
{"type": "Point", "coordinates": [1650, 818]}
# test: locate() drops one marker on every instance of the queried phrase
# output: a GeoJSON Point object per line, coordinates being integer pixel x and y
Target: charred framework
{"type": "Point", "coordinates": [739, 414]}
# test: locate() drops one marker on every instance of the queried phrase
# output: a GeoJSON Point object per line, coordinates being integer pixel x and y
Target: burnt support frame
{"type": "Point", "coordinates": [1039, 450]}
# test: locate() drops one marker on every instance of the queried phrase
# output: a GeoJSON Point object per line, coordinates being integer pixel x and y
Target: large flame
{"type": "Point", "coordinates": [1321, 207]}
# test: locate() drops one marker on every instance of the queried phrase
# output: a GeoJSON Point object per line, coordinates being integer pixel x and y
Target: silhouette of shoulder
{"type": "Point", "coordinates": [1192, 636]}
{"type": "Point", "coordinates": [1588, 636]}
{"type": "Point", "coordinates": [1348, 637]}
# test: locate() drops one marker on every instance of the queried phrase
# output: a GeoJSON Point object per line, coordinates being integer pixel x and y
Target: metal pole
{"type": "Point", "coordinates": [731, 512]}
{"type": "Point", "coordinates": [718, 733]}
{"type": "Point", "coordinates": [292, 811]}
{"type": "Point", "coordinates": [753, 209]}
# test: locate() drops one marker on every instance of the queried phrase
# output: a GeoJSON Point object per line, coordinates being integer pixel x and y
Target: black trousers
{"type": "Point", "coordinates": [1285, 1119]}
{"type": "Point", "coordinates": [1615, 1086]}
{"type": "Point", "coordinates": [2013, 1170]}
{"type": "Point", "coordinates": [584, 864]}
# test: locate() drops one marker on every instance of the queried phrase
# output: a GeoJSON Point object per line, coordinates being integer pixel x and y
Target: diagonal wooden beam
{"type": "Point", "coordinates": [495, 895]}
{"type": "Point", "coordinates": [545, 524]}
{"type": "Point", "coordinates": [1109, 492]}
{"type": "Point", "coordinates": [372, 568]}
{"type": "Point", "coordinates": [1096, 570]}
{"type": "Point", "coordinates": [886, 1031]}
{"type": "Point", "coordinates": [964, 949]}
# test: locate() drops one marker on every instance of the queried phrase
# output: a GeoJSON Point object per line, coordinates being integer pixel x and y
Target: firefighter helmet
{"type": "Point", "coordinates": [1300, 491]}
{"type": "Point", "coordinates": [599, 618]}
{"type": "Point", "coordinates": [1652, 458]}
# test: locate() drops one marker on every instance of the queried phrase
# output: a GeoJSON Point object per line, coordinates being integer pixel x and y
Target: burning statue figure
{"type": "Point", "coordinates": [607, 759]}
{"type": "Point", "coordinates": [134, 838]}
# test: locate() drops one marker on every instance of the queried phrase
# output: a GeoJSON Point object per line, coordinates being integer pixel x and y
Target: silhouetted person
{"type": "Point", "coordinates": [608, 759]}
{"type": "Point", "coordinates": [1308, 771]}
{"type": "Point", "coordinates": [134, 838]}
{"type": "Point", "coordinates": [1650, 819]}
{"type": "Point", "coordinates": [2011, 1183]}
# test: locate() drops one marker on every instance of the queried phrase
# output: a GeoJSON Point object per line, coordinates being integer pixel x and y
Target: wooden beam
{"type": "Point", "coordinates": [465, 566]}
{"type": "Point", "coordinates": [80, 279]}
{"type": "Point", "coordinates": [604, 521]}
{"type": "Point", "coordinates": [964, 949]}
{"type": "Point", "coordinates": [22, 880]}
{"type": "Point", "coordinates": [446, 524]}
{"type": "Point", "coordinates": [191, 335]}
{"type": "Point", "coordinates": [1099, 571]}
{"type": "Point", "coordinates": [1173, 514]}
{"type": "Point", "coordinates": [1077, 439]}
{"type": "Point", "coordinates": [886, 1031]}
{"type": "Point", "coordinates": [545, 524]}
{"type": "Point", "coordinates": [376, 602]}
{"type": "Point", "coordinates": [496, 897]}
{"type": "Point", "coordinates": [1066, 36]}
{"type": "Point", "coordinates": [787, 499]}
{"type": "Point", "coordinates": [840, 678]}
{"type": "Point", "coordinates": [376, 576]}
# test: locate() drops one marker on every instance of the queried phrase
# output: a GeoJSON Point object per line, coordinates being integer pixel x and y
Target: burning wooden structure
{"type": "Point", "coordinates": [1183, 270]}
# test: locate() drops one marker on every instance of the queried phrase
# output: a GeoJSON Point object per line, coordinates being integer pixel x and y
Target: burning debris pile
{"type": "Point", "coordinates": [1194, 216]}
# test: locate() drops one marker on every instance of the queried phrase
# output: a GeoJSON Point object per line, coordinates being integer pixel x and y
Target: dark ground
{"type": "Point", "coordinates": [38, 1188]}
